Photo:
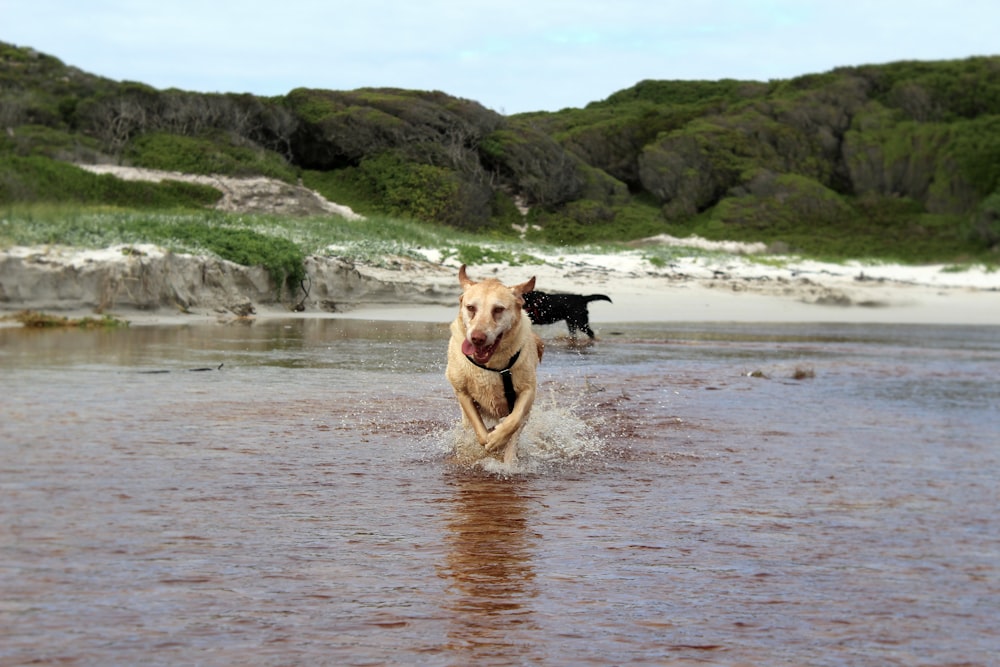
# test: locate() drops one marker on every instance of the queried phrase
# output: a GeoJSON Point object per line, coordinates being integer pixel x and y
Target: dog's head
{"type": "Point", "coordinates": [489, 309]}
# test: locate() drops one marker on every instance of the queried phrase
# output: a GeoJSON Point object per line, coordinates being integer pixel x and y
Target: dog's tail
{"type": "Point", "coordinates": [599, 297]}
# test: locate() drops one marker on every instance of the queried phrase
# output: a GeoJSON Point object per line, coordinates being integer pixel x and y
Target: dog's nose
{"type": "Point", "coordinates": [477, 338]}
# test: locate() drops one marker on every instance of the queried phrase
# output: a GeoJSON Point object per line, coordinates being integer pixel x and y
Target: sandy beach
{"type": "Point", "coordinates": [737, 288]}
{"type": "Point", "coordinates": [711, 287]}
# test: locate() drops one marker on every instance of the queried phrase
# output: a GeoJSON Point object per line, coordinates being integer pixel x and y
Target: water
{"type": "Point", "coordinates": [681, 499]}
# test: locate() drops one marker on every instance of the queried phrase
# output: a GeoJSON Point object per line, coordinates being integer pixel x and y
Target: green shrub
{"type": "Point", "coordinates": [233, 238]}
{"type": "Point", "coordinates": [343, 186]}
{"type": "Point", "coordinates": [676, 93]}
{"type": "Point", "coordinates": [589, 222]}
{"type": "Point", "coordinates": [976, 150]}
{"type": "Point", "coordinates": [477, 254]}
{"type": "Point", "coordinates": [41, 140]}
{"type": "Point", "coordinates": [985, 226]}
{"type": "Point", "coordinates": [532, 164]}
{"type": "Point", "coordinates": [206, 155]}
{"type": "Point", "coordinates": [556, 228]}
{"type": "Point", "coordinates": [872, 227]}
{"type": "Point", "coordinates": [504, 212]}
{"type": "Point", "coordinates": [37, 320]}
{"type": "Point", "coordinates": [422, 191]}
{"type": "Point", "coordinates": [39, 179]}
{"type": "Point", "coordinates": [283, 259]}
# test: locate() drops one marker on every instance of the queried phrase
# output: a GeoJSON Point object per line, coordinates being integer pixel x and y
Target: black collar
{"type": "Point", "coordinates": [508, 381]}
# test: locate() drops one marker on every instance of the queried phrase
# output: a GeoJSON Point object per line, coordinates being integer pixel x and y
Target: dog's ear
{"type": "Point", "coordinates": [463, 279]}
{"type": "Point", "coordinates": [524, 288]}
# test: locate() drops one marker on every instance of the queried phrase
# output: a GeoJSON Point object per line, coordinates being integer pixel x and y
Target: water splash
{"type": "Point", "coordinates": [554, 436]}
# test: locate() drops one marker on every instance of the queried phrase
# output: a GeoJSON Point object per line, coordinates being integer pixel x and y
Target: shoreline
{"type": "Point", "coordinates": [697, 288]}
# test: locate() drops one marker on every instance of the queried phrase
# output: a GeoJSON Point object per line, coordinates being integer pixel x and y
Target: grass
{"type": "Point", "coordinates": [281, 244]}
{"type": "Point", "coordinates": [228, 237]}
{"type": "Point", "coordinates": [904, 238]}
{"type": "Point", "coordinates": [35, 320]}
{"type": "Point", "coordinates": [273, 241]}
{"type": "Point", "coordinates": [36, 179]}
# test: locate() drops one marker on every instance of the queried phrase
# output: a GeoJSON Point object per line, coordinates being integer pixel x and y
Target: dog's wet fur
{"type": "Point", "coordinates": [545, 308]}
{"type": "Point", "coordinates": [489, 330]}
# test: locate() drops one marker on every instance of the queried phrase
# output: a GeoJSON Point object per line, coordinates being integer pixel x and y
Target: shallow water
{"type": "Point", "coordinates": [681, 499]}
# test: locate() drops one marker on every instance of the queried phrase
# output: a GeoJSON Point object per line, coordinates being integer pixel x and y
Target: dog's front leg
{"type": "Point", "coordinates": [472, 416]}
{"type": "Point", "coordinates": [511, 424]}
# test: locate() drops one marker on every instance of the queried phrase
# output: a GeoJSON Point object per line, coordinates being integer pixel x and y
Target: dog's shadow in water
{"type": "Point", "coordinates": [489, 566]}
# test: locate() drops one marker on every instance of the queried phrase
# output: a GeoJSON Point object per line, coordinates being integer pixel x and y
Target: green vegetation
{"type": "Point", "coordinates": [35, 320]}
{"type": "Point", "coordinates": [898, 161]}
{"type": "Point", "coordinates": [38, 179]}
{"type": "Point", "coordinates": [282, 258]}
{"type": "Point", "coordinates": [261, 243]}
{"type": "Point", "coordinates": [401, 188]}
{"type": "Point", "coordinates": [280, 244]}
{"type": "Point", "coordinates": [206, 155]}
{"type": "Point", "coordinates": [473, 254]}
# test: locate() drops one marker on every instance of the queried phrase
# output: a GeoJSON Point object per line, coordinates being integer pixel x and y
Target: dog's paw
{"type": "Point", "coordinates": [499, 440]}
{"type": "Point", "coordinates": [493, 442]}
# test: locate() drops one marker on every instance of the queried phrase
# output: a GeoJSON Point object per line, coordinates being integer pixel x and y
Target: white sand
{"type": "Point", "coordinates": [696, 286]}
{"type": "Point", "coordinates": [720, 289]}
{"type": "Point", "coordinates": [739, 288]}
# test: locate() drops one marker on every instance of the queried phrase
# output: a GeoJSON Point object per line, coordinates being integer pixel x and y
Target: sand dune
{"type": "Point", "coordinates": [713, 282]}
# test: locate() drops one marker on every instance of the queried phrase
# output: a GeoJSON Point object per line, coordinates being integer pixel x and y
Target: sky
{"type": "Point", "coordinates": [511, 56]}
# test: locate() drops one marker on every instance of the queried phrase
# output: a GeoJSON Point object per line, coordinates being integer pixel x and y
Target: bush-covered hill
{"type": "Point", "coordinates": [899, 160]}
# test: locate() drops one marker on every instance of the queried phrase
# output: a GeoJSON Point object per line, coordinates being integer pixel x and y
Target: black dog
{"type": "Point", "coordinates": [544, 308]}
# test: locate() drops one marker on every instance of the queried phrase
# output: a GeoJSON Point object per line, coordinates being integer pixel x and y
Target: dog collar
{"type": "Point", "coordinates": [508, 381]}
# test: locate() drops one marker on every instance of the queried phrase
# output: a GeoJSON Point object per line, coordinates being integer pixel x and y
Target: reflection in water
{"type": "Point", "coordinates": [489, 566]}
{"type": "Point", "coordinates": [302, 343]}
{"type": "Point", "coordinates": [296, 507]}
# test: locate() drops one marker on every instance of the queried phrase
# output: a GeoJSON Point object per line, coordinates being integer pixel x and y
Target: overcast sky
{"type": "Point", "coordinates": [511, 56]}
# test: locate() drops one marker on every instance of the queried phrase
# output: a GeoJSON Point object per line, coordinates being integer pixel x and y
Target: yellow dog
{"type": "Point", "coordinates": [493, 356]}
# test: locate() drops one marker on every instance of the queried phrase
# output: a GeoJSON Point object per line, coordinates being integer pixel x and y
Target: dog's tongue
{"type": "Point", "coordinates": [482, 353]}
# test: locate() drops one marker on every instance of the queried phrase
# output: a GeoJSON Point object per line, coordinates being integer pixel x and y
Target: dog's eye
{"type": "Point", "coordinates": [471, 309]}
{"type": "Point", "coordinates": [498, 311]}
